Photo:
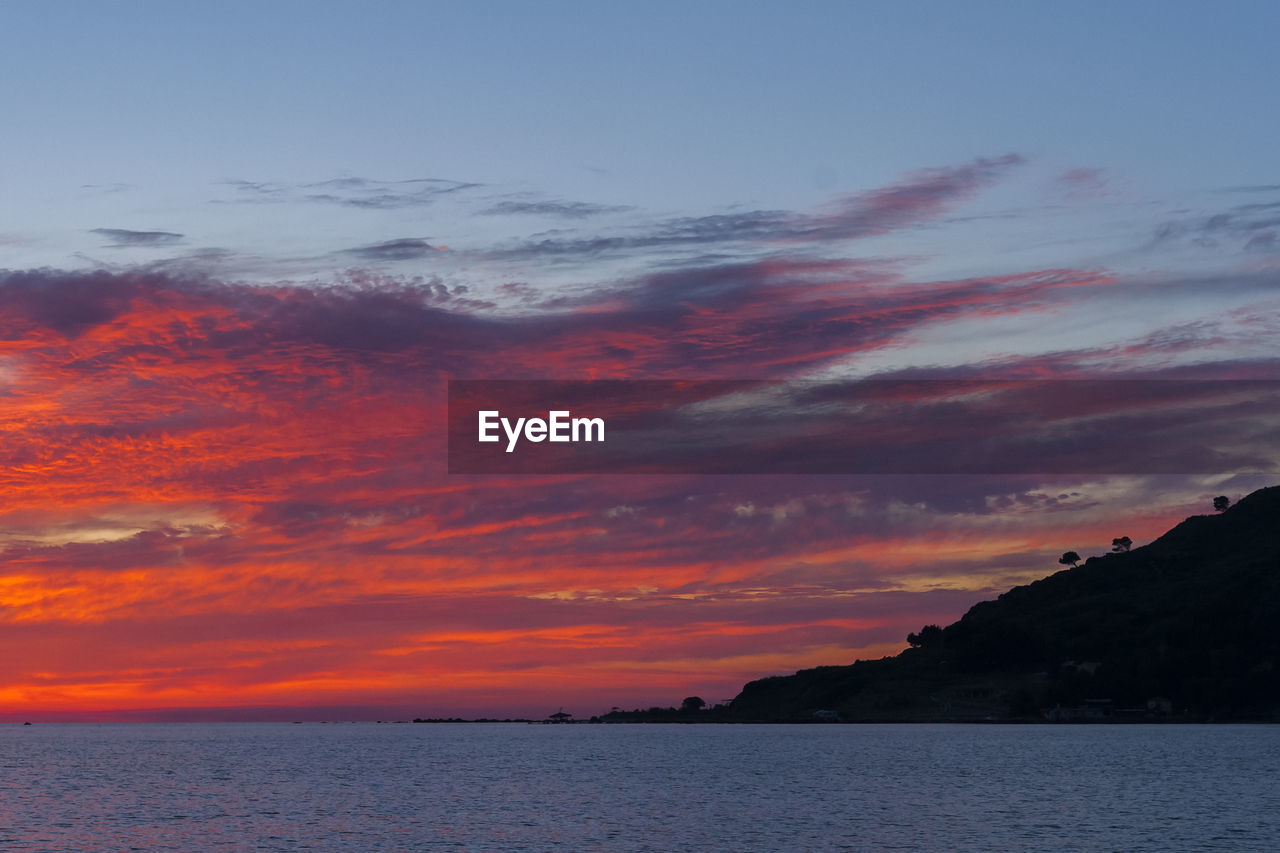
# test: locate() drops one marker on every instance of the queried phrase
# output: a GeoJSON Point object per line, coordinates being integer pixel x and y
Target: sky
{"type": "Point", "coordinates": [244, 247]}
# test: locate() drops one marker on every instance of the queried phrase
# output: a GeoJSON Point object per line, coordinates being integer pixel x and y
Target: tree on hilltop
{"type": "Point", "coordinates": [930, 636]}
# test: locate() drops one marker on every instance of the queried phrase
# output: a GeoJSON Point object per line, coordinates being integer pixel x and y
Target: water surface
{"type": "Point", "coordinates": [366, 787]}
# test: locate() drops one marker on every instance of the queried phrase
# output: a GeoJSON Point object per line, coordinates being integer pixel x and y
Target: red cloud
{"type": "Point", "coordinates": [219, 494]}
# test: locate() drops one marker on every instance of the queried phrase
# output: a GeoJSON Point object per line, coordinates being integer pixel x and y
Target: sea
{"type": "Point", "coordinates": [521, 787]}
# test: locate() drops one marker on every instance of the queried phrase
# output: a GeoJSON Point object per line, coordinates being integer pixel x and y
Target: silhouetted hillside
{"type": "Point", "coordinates": [1186, 627]}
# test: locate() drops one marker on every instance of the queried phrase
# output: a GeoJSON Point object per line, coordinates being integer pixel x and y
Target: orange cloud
{"type": "Point", "coordinates": [225, 496]}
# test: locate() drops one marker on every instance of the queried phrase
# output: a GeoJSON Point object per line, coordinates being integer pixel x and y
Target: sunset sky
{"type": "Point", "coordinates": [244, 248]}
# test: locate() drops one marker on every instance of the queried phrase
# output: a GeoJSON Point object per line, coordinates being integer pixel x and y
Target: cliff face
{"type": "Point", "coordinates": [1187, 627]}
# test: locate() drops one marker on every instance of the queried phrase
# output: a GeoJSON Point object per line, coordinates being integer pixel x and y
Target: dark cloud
{"type": "Point", "coordinates": [259, 188]}
{"type": "Point", "coordinates": [403, 249]}
{"type": "Point", "coordinates": [122, 237]}
{"type": "Point", "coordinates": [1244, 225]}
{"type": "Point", "coordinates": [674, 233]}
{"type": "Point", "coordinates": [924, 195]}
{"type": "Point", "coordinates": [1108, 426]}
{"type": "Point", "coordinates": [67, 304]}
{"type": "Point", "coordinates": [352, 192]}
{"type": "Point", "coordinates": [777, 317]}
{"type": "Point", "coordinates": [920, 197]}
{"type": "Point", "coordinates": [562, 209]}
{"type": "Point", "coordinates": [774, 318]}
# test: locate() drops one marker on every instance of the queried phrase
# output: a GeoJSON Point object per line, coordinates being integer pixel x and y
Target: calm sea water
{"type": "Point", "coordinates": [366, 787]}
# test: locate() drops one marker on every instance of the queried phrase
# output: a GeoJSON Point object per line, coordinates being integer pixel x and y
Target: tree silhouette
{"type": "Point", "coordinates": [1221, 502]}
{"type": "Point", "coordinates": [1071, 558]}
{"type": "Point", "coordinates": [929, 636]}
{"type": "Point", "coordinates": [692, 704]}
{"type": "Point", "coordinates": [1124, 543]}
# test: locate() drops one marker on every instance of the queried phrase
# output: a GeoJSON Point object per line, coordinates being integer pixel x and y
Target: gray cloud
{"type": "Point", "coordinates": [1250, 223]}
{"type": "Point", "coordinates": [122, 237]}
{"type": "Point", "coordinates": [563, 209]}
{"type": "Point", "coordinates": [403, 249]}
{"type": "Point", "coordinates": [351, 192]}
{"type": "Point", "coordinates": [685, 231]}
{"type": "Point", "coordinates": [921, 197]}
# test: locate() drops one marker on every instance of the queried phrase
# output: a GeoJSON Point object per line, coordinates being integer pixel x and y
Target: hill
{"type": "Point", "coordinates": [1187, 627]}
